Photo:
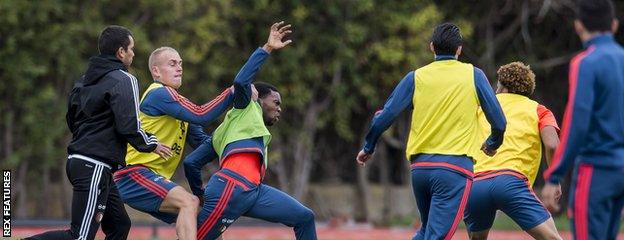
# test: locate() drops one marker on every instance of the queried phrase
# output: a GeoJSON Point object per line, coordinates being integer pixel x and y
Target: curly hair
{"type": "Point", "coordinates": [517, 77]}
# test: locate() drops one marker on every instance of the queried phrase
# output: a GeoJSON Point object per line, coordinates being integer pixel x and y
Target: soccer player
{"type": "Point", "coordinates": [103, 118]}
{"type": "Point", "coordinates": [503, 181]}
{"type": "Point", "coordinates": [592, 138]}
{"type": "Point", "coordinates": [241, 142]}
{"type": "Point", "coordinates": [445, 96]}
{"type": "Point", "coordinates": [144, 184]}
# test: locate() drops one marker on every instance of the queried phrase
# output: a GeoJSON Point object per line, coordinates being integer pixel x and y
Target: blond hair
{"type": "Point", "coordinates": [156, 53]}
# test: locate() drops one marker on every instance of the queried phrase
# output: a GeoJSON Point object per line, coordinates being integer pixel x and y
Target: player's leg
{"type": "Point", "coordinates": [449, 195]}
{"type": "Point", "coordinates": [512, 193]}
{"type": "Point", "coordinates": [616, 214]}
{"type": "Point", "coordinates": [480, 210]}
{"type": "Point", "coordinates": [545, 231]}
{"type": "Point", "coordinates": [116, 222]}
{"type": "Point", "coordinates": [422, 192]}
{"type": "Point", "coordinates": [591, 203]}
{"type": "Point", "coordinates": [186, 205]}
{"type": "Point", "coordinates": [276, 206]}
{"type": "Point", "coordinates": [145, 191]}
{"type": "Point", "coordinates": [86, 179]}
{"type": "Point", "coordinates": [226, 197]}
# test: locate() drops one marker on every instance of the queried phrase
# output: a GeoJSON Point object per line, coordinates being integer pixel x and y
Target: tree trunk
{"type": "Point", "coordinates": [305, 140]}
{"type": "Point", "coordinates": [21, 193]}
{"type": "Point", "coordinates": [303, 152]}
{"type": "Point", "coordinates": [363, 195]}
{"type": "Point", "coordinates": [384, 174]}
{"type": "Point", "coordinates": [280, 166]}
{"type": "Point", "coordinates": [8, 135]}
{"type": "Point", "coordinates": [44, 194]}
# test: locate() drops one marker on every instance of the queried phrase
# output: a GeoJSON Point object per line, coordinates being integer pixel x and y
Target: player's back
{"type": "Point", "coordinates": [602, 62]}
{"type": "Point", "coordinates": [444, 118]}
{"type": "Point", "coordinates": [522, 146]}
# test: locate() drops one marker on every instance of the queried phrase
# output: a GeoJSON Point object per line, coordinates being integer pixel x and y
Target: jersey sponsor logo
{"type": "Point", "coordinates": [177, 149]}
{"type": "Point", "coordinates": [156, 179]}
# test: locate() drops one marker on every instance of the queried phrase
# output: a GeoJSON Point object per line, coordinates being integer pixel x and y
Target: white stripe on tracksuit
{"type": "Point", "coordinates": [135, 93]}
{"type": "Point", "coordinates": [91, 202]}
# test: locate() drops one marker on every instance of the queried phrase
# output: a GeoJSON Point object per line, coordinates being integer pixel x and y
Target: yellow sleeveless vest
{"type": "Point", "coordinates": [169, 131]}
{"type": "Point", "coordinates": [522, 147]}
{"type": "Point", "coordinates": [444, 118]}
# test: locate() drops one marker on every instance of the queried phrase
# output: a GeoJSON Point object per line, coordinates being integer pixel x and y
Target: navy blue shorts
{"type": "Point", "coordinates": [144, 190]}
{"type": "Point", "coordinates": [507, 191]}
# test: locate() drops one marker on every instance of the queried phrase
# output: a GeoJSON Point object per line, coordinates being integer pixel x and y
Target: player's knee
{"type": "Point", "coordinates": [125, 227]}
{"type": "Point", "coordinates": [190, 202]}
{"type": "Point", "coordinates": [188, 163]}
{"type": "Point", "coordinates": [123, 224]}
{"type": "Point", "coordinates": [306, 215]}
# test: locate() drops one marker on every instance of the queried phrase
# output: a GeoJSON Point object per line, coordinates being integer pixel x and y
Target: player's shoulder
{"type": "Point", "coordinates": [156, 94]}
{"type": "Point", "coordinates": [121, 75]}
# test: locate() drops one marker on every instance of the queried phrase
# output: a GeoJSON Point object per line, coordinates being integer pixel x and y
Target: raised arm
{"type": "Point", "coordinates": [492, 111]}
{"type": "Point", "coordinates": [242, 82]}
{"type": "Point", "coordinates": [399, 100]}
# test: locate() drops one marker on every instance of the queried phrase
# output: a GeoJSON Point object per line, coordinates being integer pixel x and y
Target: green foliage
{"type": "Point", "coordinates": [346, 56]}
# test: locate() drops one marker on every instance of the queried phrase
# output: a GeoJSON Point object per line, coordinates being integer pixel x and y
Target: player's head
{"type": "Point", "coordinates": [165, 65]}
{"type": "Point", "coordinates": [270, 100]}
{"type": "Point", "coordinates": [446, 40]}
{"type": "Point", "coordinates": [117, 41]}
{"type": "Point", "coordinates": [594, 16]}
{"type": "Point", "coordinates": [515, 77]}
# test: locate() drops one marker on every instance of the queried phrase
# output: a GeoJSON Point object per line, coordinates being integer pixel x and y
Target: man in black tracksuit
{"type": "Point", "coordinates": [103, 118]}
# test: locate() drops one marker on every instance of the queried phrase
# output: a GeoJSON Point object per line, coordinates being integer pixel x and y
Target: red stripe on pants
{"type": "Point", "coordinates": [460, 211]}
{"type": "Point", "coordinates": [216, 213]}
{"type": "Point", "coordinates": [581, 201]}
{"type": "Point", "coordinates": [153, 187]}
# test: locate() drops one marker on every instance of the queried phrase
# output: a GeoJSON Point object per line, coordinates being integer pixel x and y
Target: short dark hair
{"type": "Point", "coordinates": [112, 38]}
{"type": "Point", "coordinates": [264, 89]}
{"type": "Point", "coordinates": [596, 15]}
{"type": "Point", "coordinates": [446, 39]}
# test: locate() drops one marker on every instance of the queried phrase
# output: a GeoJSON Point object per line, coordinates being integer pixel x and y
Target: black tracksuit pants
{"type": "Point", "coordinates": [95, 201]}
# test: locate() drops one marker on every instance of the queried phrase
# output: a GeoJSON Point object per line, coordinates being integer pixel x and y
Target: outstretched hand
{"type": "Point", "coordinates": [276, 37]}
